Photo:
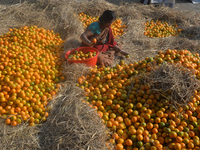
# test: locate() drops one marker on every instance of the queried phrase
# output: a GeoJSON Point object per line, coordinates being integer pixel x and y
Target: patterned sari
{"type": "Point", "coordinates": [105, 44]}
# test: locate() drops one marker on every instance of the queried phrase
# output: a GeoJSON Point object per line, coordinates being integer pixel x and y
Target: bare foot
{"type": "Point", "coordinates": [124, 53]}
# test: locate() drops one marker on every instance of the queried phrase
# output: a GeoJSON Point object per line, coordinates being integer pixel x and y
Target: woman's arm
{"type": "Point", "coordinates": [118, 49]}
{"type": "Point", "coordinates": [84, 37]}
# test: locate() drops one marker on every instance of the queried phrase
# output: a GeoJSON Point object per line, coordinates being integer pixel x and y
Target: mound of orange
{"type": "Point", "coordinates": [117, 26]}
{"type": "Point", "coordinates": [141, 118]}
{"type": "Point", "coordinates": [30, 70]}
{"type": "Point", "coordinates": [79, 55]}
{"type": "Point", "coordinates": [160, 29]}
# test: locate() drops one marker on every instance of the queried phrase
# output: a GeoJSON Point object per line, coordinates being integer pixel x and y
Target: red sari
{"type": "Point", "coordinates": [109, 44]}
{"type": "Point", "coordinates": [106, 52]}
{"type": "Point", "coordinates": [102, 47]}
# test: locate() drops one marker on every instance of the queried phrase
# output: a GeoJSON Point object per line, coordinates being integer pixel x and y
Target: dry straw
{"type": "Point", "coordinates": [72, 124]}
{"type": "Point", "coordinates": [175, 83]}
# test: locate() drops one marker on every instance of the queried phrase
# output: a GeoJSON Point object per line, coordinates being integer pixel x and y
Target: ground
{"type": "Point", "coordinates": [179, 4]}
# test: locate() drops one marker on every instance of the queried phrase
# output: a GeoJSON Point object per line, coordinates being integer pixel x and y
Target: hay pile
{"type": "Point", "coordinates": [72, 124]}
{"type": "Point", "coordinates": [175, 83]}
{"type": "Point", "coordinates": [20, 137]}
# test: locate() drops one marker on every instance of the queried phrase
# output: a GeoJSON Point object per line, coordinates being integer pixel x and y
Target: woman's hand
{"type": "Point", "coordinates": [93, 41]}
{"type": "Point", "coordinates": [84, 38]}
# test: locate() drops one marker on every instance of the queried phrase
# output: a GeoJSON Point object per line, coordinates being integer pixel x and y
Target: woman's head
{"type": "Point", "coordinates": [107, 18]}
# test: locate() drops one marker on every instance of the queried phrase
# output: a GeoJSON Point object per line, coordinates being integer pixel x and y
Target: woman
{"type": "Point", "coordinates": [99, 35]}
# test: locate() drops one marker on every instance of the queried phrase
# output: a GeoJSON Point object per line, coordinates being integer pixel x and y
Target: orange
{"type": "Point", "coordinates": [146, 139]}
{"type": "Point", "coordinates": [8, 121]}
{"type": "Point", "coordinates": [13, 123]}
{"type": "Point", "coordinates": [139, 137]}
{"type": "Point", "coordinates": [94, 40]}
{"type": "Point", "coordinates": [179, 139]}
{"type": "Point", "coordinates": [190, 145]}
{"type": "Point", "coordinates": [115, 136]}
{"type": "Point", "coordinates": [173, 134]}
{"type": "Point", "coordinates": [119, 146]}
{"type": "Point", "coordinates": [129, 142]}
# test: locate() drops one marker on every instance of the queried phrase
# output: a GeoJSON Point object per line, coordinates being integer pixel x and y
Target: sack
{"type": "Point", "coordinates": [107, 58]}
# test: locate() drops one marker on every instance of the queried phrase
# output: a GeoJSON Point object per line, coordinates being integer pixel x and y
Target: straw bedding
{"type": "Point", "coordinates": [72, 124]}
{"type": "Point", "coordinates": [175, 81]}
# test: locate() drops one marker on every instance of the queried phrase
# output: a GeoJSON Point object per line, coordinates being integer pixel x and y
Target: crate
{"type": "Point", "coordinates": [162, 1]}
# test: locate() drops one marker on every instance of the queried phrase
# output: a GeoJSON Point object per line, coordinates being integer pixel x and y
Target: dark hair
{"type": "Point", "coordinates": [107, 16]}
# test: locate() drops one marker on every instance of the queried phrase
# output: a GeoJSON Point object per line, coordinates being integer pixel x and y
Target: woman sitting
{"type": "Point", "coordinates": [99, 35]}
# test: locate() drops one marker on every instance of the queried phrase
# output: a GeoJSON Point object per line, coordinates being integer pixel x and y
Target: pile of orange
{"type": "Point", "coordinates": [140, 118]}
{"type": "Point", "coordinates": [117, 26]}
{"type": "Point", "coordinates": [160, 29]}
{"type": "Point", "coordinates": [30, 70]}
{"type": "Point", "coordinates": [79, 55]}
